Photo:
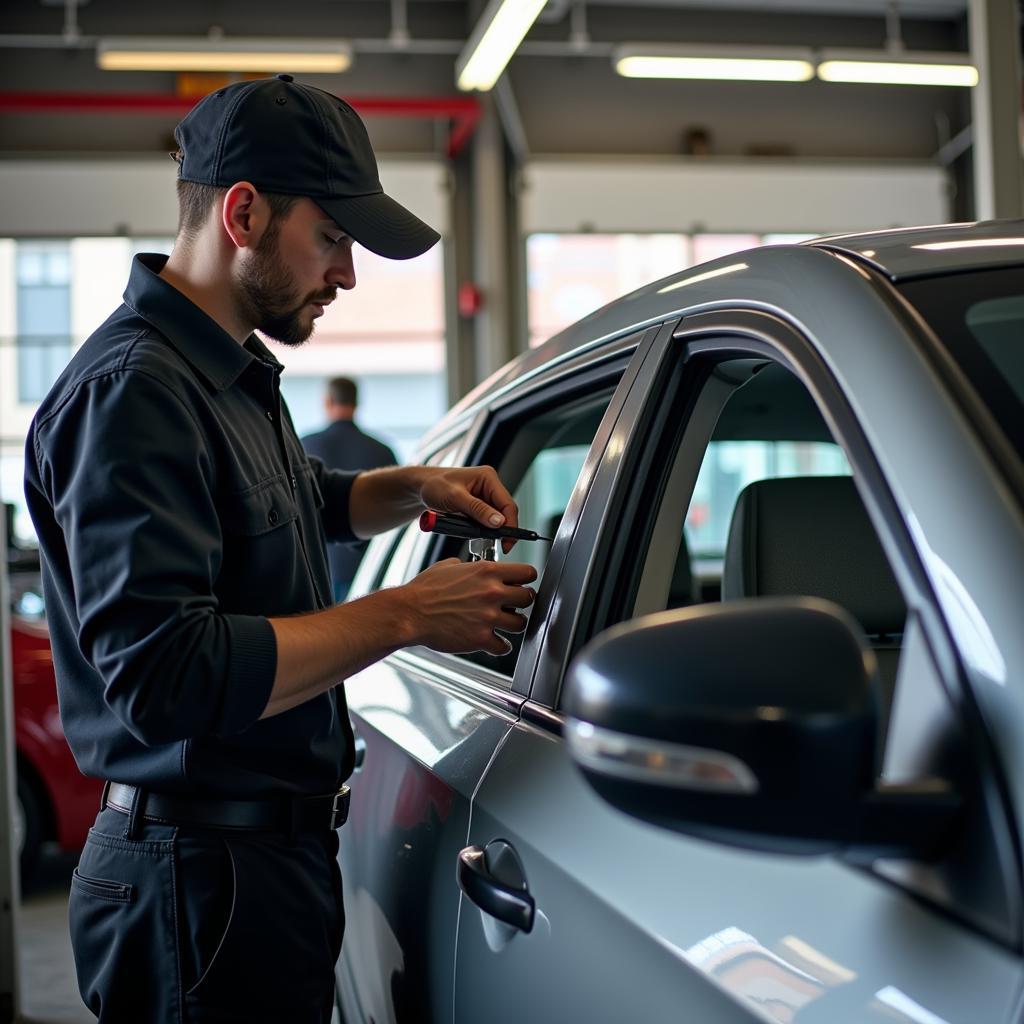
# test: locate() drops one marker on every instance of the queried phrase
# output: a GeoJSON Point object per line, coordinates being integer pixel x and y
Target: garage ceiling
{"type": "Point", "coordinates": [568, 99]}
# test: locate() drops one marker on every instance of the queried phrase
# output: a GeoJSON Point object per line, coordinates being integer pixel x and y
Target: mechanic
{"type": "Point", "coordinates": [183, 534]}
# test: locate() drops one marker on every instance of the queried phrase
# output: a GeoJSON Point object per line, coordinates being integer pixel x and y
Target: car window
{"type": "Point", "coordinates": [767, 429]}
{"type": "Point", "coordinates": [397, 549]}
{"type": "Point", "coordinates": [978, 317]}
{"type": "Point", "coordinates": [730, 466]}
{"type": "Point", "coordinates": [745, 455]}
{"type": "Point", "coordinates": [538, 455]}
{"type": "Point", "coordinates": [773, 510]}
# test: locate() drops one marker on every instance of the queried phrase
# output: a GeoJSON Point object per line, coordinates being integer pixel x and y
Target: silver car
{"type": "Point", "coordinates": [759, 755]}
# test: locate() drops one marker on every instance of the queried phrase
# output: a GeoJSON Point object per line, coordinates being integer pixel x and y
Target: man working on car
{"type": "Point", "coordinates": [183, 535]}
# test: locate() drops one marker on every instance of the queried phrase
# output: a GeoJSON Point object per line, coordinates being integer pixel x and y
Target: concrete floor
{"type": "Point", "coordinates": [49, 993]}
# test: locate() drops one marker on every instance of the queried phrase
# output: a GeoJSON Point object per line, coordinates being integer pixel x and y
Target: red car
{"type": "Point", "coordinates": [55, 800]}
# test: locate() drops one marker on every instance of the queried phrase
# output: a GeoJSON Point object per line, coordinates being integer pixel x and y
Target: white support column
{"type": "Point", "coordinates": [996, 109]}
{"type": "Point", "coordinates": [460, 358]}
{"type": "Point", "coordinates": [493, 344]}
{"type": "Point", "coordinates": [9, 877]}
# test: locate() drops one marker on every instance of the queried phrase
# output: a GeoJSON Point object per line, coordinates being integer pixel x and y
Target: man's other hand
{"type": "Point", "coordinates": [456, 606]}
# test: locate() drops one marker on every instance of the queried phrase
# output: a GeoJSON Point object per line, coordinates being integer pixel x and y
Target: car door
{"type": "Point", "coordinates": [607, 918]}
{"type": "Point", "coordinates": [427, 724]}
{"type": "Point", "coordinates": [423, 738]}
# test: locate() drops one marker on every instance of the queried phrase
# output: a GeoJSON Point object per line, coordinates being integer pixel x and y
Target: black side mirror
{"type": "Point", "coordinates": [752, 723]}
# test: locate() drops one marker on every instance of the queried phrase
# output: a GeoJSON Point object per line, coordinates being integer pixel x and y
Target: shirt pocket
{"type": "Point", "coordinates": [264, 568]}
{"type": "Point", "coordinates": [261, 508]}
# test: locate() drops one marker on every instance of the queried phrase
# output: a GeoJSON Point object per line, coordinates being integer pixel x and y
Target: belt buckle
{"type": "Point", "coordinates": [339, 807]}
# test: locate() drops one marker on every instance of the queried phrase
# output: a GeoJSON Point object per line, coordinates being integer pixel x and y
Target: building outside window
{"type": "Point", "coordinates": [43, 304]}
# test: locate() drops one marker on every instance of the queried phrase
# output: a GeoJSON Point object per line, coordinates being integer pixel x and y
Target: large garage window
{"type": "Point", "coordinates": [571, 275]}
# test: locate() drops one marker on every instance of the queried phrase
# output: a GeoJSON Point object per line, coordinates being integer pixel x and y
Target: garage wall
{"type": "Point", "coordinates": [711, 195]}
{"type": "Point", "coordinates": [68, 198]}
{"type": "Point", "coordinates": [56, 198]}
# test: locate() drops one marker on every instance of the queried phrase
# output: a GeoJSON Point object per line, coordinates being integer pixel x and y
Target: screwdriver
{"type": "Point", "coordinates": [454, 524]}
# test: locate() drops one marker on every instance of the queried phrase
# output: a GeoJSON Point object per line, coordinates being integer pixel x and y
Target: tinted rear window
{"type": "Point", "coordinates": [979, 317]}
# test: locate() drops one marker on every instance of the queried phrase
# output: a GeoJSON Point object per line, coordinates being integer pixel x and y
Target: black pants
{"type": "Point", "coordinates": [206, 926]}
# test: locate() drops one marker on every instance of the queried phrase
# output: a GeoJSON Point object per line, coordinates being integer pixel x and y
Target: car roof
{"type": "Point", "coordinates": [903, 253]}
{"type": "Point", "coordinates": [898, 254]}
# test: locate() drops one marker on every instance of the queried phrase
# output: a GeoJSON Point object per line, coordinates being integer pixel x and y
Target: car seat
{"type": "Point", "coordinates": [812, 536]}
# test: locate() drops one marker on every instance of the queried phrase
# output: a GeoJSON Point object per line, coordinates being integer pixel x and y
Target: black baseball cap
{"type": "Point", "coordinates": [298, 140]}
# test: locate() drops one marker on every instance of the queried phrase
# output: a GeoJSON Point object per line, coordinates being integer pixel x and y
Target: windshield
{"type": "Point", "coordinates": [979, 317]}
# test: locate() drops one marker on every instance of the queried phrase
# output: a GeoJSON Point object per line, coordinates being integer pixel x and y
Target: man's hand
{"type": "Point", "coordinates": [456, 606]}
{"type": "Point", "coordinates": [453, 606]}
{"type": "Point", "coordinates": [383, 498]}
{"type": "Point", "coordinates": [476, 492]}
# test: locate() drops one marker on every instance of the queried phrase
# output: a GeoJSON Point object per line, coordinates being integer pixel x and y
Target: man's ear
{"type": "Point", "coordinates": [243, 215]}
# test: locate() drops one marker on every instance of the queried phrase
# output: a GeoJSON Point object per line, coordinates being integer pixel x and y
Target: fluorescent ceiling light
{"type": "Point", "coordinates": [205, 53]}
{"type": "Point", "coordinates": [897, 68]}
{"type": "Point", "coordinates": [737, 63]}
{"type": "Point", "coordinates": [495, 38]}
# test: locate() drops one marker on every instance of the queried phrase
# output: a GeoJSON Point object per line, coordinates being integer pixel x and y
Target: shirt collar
{"type": "Point", "coordinates": [199, 338]}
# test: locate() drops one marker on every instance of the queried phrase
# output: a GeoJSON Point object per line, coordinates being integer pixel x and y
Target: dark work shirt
{"type": "Point", "coordinates": [176, 511]}
{"type": "Point", "coordinates": [342, 445]}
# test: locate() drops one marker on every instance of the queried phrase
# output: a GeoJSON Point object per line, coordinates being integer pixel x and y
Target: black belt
{"type": "Point", "coordinates": [281, 814]}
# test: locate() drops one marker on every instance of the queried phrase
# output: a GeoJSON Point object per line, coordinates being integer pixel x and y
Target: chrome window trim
{"type": "Point", "coordinates": [489, 692]}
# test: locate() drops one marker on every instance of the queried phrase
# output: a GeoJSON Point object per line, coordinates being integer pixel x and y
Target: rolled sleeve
{"type": "Point", "coordinates": [253, 653]}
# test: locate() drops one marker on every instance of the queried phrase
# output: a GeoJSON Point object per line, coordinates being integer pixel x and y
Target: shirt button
{"type": "Point", "coordinates": [272, 517]}
{"type": "Point", "coordinates": [295, 483]}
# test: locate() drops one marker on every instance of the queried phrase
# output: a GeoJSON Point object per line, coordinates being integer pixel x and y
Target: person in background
{"type": "Point", "coordinates": [342, 445]}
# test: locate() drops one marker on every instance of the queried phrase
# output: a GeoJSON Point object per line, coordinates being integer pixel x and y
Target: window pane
{"type": "Point", "coordinates": [43, 318]}
{"type": "Point", "coordinates": [730, 465]}
{"type": "Point", "coordinates": [58, 267]}
{"type": "Point", "coordinates": [541, 466]}
{"type": "Point", "coordinates": [31, 267]}
{"type": "Point", "coordinates": [569, 276]}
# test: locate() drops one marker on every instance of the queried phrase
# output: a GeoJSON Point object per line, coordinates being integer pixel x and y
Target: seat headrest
{"type": "Point", "coordinates": [811, 536]}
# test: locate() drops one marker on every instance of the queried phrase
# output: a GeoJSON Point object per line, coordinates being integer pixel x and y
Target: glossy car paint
{"type": "Point", "coordinates": [634, 922]}
{"type": "Point", "coordinates": [70, 800]}
{"type": "Point", "coordinates": [426, 749]}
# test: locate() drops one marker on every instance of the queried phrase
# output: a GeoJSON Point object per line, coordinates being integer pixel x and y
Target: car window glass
{"type": "Point", "coordinates": [728, 467]}
{"type": "Point", "coordinates": [978, 317]}
{"type": "Point", "coordinates": [998, 326]}
{"type": "Point", "coordinates": [397, 566]}
{"type": "Point", "coordinates": [773, 511]}
{"type": "Point", "coordinates": [541, 456]}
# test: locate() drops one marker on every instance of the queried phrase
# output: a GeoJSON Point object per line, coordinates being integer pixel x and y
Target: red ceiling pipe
{"type": "Point", "coordinates": [462, 111]}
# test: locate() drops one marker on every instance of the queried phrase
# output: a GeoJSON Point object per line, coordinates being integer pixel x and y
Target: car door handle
{"type": "Point", "coordinates": [513, 906]}
{"type": "Point", "coordinates": [359, 752]}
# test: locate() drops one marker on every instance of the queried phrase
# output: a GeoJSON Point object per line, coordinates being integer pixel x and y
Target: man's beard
{"type": "Point", "coordinates": [268, 297]}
